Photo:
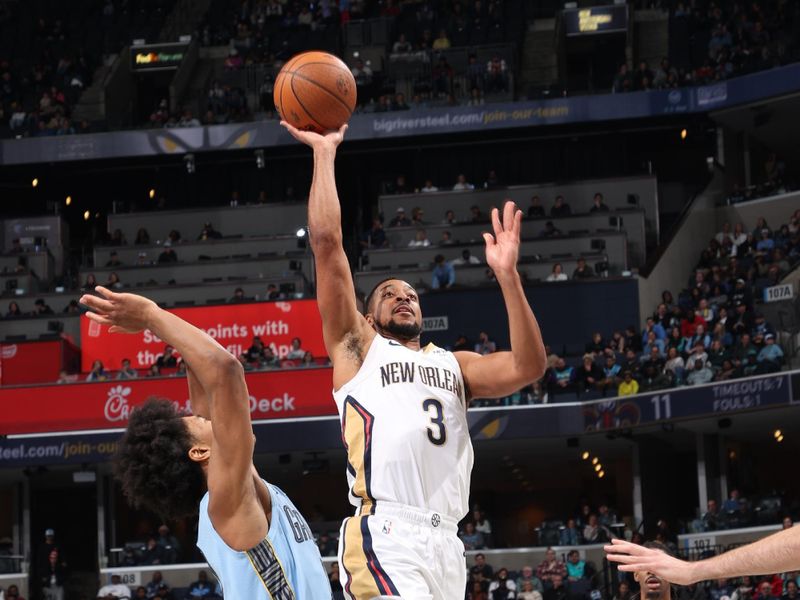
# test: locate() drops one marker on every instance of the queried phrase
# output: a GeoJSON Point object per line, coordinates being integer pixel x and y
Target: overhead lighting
{"type": "Point", "coordinates": [684, 133]}
{"type": "Point", "coordinates": [778, 433]}
{"type": "Point", "coordinates": [35, 182]}
{"type": "Point", "coordinates": [301, 232]}
{"type": "Point", "coordinates": [152, 193]}
{"type": "Point", "coordinates": [779, 439]}
{"type": "Point", "coordinates": [601, 474]}
{"type": "Point", "coordinates": [585, 455]}
{"type": "Point", "coordinates": [595, 460]}
{"type": "Point", "coordinates": [68, 200]}
{"type": "Point", "coordinates": [86, 215]}
{"type": "Point", "coordinates": [598, 467]}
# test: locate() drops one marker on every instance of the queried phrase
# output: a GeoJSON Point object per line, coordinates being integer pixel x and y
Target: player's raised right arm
{"type": "Point", "coordinates": [335, 290]}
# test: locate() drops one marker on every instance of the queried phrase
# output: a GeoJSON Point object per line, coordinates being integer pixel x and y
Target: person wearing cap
{"type": "Point", "coordinates": [766, 243]}
{"type": "Point", "coordinates": [770, 357]}
{"type": "Point", "coordinates": [400, 219]}
{"type": "Point", "coordinates": [44, 552]}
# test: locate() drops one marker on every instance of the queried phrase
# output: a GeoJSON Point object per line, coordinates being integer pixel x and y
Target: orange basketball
{"type": "Point", "coordinates": [315, 91]}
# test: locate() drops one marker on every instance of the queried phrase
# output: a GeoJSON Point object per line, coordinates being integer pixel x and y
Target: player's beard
{"type": "Point", "coordinates": [402, 331]}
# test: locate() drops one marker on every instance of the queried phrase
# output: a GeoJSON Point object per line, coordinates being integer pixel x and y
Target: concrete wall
{"type": "Point", "coordinates": [631, 221]}
{"type": "Point", "coordinates": [577, 194]}
{"type": "Point", "coordinates": [545, 247]}
{"type": "Point", "coordinates": [673, 267]}
{"type": "Point", "coordinates": [262, 219]}
{"type": "Point", "coordinates": [776, 210]}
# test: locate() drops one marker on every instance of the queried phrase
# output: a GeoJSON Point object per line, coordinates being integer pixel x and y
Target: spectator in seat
{"type": "Point", "coordinates": [429, 187]}
{"type": "Point", "coordinates": [628, 386]}
{"type": "Point", "coordinates": [596, 345]}
{"type": "Point", "coordinates": [170, 544]}
{"type": "Point", "coordinates": [113, 282]}
{"type": "Point", "coordinates": [90, 283]}
{"type": "Point", "coordinates": [308, 360]}
{"type": "Point", "coordinates": [623, 591]}
{"type": "Point", "coordinates": [502, 587]}
{"type": "Point", "coordinates": [399, 186]}
{"type": "Point", "coordinates": [791, 590]}
{"type": "Point", "coordinates": [154, 371]}
{"type": "Point", "coordinates": [12, 593]}
{"type": "Point", "coordinates": [41, 308]}
{"type": "Point", "coordinates": [597, 204]}
{"type": "Point", "coordinates": [473, 540]}
{"type": "Point", "coordinates": [153, 554]}
{"type": "Point", "coordinates": [270, 360]}
{"type": "Point", "coordinates": [126, 371]}
{"type": "Point", "coordinates": [485, 345]}
{"type": "Point", "coordinates": [53, 577]}
{"type": "Point", "coordinates": [528, 592]}
{"type": "Point", "coordinates": [238, 296]}
{"type": "Point", "coordinates": [400, 219]}
{"type": "Point", "coordinates": [200, 588]}
{"type": "Point", "coordinates": [652, 326]}
{"type": "Point", "coordinates": [446, 239]}
{"type": "Point", "coordinates": [481, 571]}
{"type": "Point", "coordinates": [466, 258]}
{"type": "Point", "coordinates": [589, 375]}
{"type": "Point", "coordinates": [770, 357]}
{"type": "Point", "coordinates": [142, 237]}
{"type": "Point", "coordinates": [675, 364]}
{"type": "Point", "coordinates": [256, 350]}
{"type": "Point", "coordinates": [420, 240]}
{"type": "Point", "coordinates": [115, 589]}
{"type": "Point", "coordinates": [550, 569]}
{"type": "Point", "coordinates": [652, 357]}
{"type": "Point", "coordinates": [557, 274]}
{"type": "Point", "coordinates": [721, 589]}
{"type": "Point", "coordinates": [556, 590]}
{"type": "Point", "coordinates": [462, 185]}
{"type": "Point", "coordinates": [167, 255]}
{"type": "Point", "coordinates": [209, 233]}
{"type": "Point", "coordinates": [98, 372]}
{"type": "Point", "coordinates": [560, 208]}
{"type": "Point", "coordinates": [653, 378]}
{"type": "Point", "coordinates": [167, 359]}
{"type": "Point", "coordinates": [550, 230]}
{"type": "Point", "coordinates": [417, 215]}
{"type": "Point", "coordinates": [727, 371]}
{"type": "Point", "coordinates": [449, 218]}
{"type": "Point", "coordinates": [14, 311]}
{"type": "Point", "coordinates": [245, 362]}
{"type": "Point", "coordinates": [611, 375]}
{"type": "Point", "coordinates": [700, 373]}
{"type": "Point", "coordinates": [296, 352]}
{"type": "Point", "coordinates": [476, 590]}
{"type": "Point", "coordinates": [113, 260]}
{"type": "Point", "coordinates": [561, 376]}
{"type": "Point", "coordinates": [764, 591]}
{"type": "Point", "coordinates": [582, 271]}
{"type": "Point", "coordinates": [536, 210]}
{"type": "Point", "coordinates": [442, 42]}
{"type": "Point", "coordinates": [527, 577]}
{"type": "Point", "coordinates": [375, 237]}
{"type": "Point", "coordinates": [444, 274]}
{"type": "Point", "coordinates": [476, 216]}
{"type": "Point", "coordinates": [272, 293]}
{"type": "Point", "coordinates": [496, 75]}
{"type": "Point", "coordinates": [570, 535]}
{"type": "Point", "coordinates": [593, 533]}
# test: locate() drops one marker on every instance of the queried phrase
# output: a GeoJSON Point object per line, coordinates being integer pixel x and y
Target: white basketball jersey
{"type": "Point", "coordinates": [404, 425]}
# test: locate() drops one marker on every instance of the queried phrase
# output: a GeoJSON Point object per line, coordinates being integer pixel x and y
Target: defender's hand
{"type": "Point", "coordinates": [502, 248]}
{"type": "Point", "coordinates": [125, 313]}
{"type": "Point", "coordinates": [327, 141]}
{"type": "Point", "coordinates": [633, 558]}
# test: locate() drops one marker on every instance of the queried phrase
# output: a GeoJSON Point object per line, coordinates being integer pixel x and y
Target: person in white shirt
{"type": "Point", "coordinates": [114, 590]}
{"type": "Point", "coordinates": [557, 274]}
{"type": "Point", "coordinates": [296, 352]}
{"type": "Point", "coordinates": [429, 187]}
{"type": "Point", "coordinates": [420, 240]}
{"type": "Point", "coordinates": [462, 185]}
{"type": "Point", "coordinates": [466, 258]}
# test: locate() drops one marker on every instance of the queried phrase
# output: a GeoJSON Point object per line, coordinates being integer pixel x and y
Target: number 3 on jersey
{"type": "Point", "coordinates": [437, 434]}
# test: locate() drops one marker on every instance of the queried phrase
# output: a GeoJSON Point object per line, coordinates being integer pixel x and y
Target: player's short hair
{"type": "Point", "coordinates": [368, 299]}
{"type": "Point", "coordinates": [153, 465]}
{"type": "Point", "coordinates": [658, 546]}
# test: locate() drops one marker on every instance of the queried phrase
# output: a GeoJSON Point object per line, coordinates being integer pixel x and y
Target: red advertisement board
{"type": "Point", "coordinates": [108, 404]}
{"type": "Point", "coordinates": [31, 362]}
{"type": "Point", "coordinates": [232, 325]}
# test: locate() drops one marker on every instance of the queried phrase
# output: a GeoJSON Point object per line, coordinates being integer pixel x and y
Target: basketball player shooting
{"type": "Point", "coordinates": [403, 407]}
{"type": "Point", "coordinates": [251, 534]}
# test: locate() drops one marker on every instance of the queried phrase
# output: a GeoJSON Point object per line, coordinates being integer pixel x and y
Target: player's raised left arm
{"type": "Point", "coordinates": [503, 373]}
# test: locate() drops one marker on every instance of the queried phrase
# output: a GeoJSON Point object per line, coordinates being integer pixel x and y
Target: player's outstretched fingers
{"type": "Point", "coordinates": [97, 304]}
{"type": "Point", "coordinates": [508, 215]}
{"type": "Point", "coordinates": [498, 228]}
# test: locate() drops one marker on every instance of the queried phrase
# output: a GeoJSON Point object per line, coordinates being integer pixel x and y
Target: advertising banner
{"type": "Point", "coordinates": [30, 362]}
{"type": "Point", "coordinates": [232, 325]}
{"type": "Point", "coordinates": [108, 404]}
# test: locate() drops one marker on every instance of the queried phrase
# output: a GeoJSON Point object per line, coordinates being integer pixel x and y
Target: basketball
{"type": "Point", "coordinates": [315, 91]}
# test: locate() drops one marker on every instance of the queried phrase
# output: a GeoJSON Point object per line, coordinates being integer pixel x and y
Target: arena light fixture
{"type": "Point", "coordinates": [301, 232]}
{"type": "Point", "coordinates": [68, 200]}
{"type": "Point", "coordinates": [595, 460]}
{"type": "Point", "coordinates": [779, 439]}
{"type": "Point", "coordinates": [684, 133]}
{"type": "Point", "coordinates": [585, 455]}
{"type": "Point", "coordinates": [86, 215]}
{"type": "Point", "coordinates": [601, 474]}
{"type": "Point", "coordinates": [152, 193]}
{"type": "Point", "coordinates": [35, 182]}
{"type": "Point", "coordinates": [598, 467]}
{"type": "Point", "coordinates": [778, 433]}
